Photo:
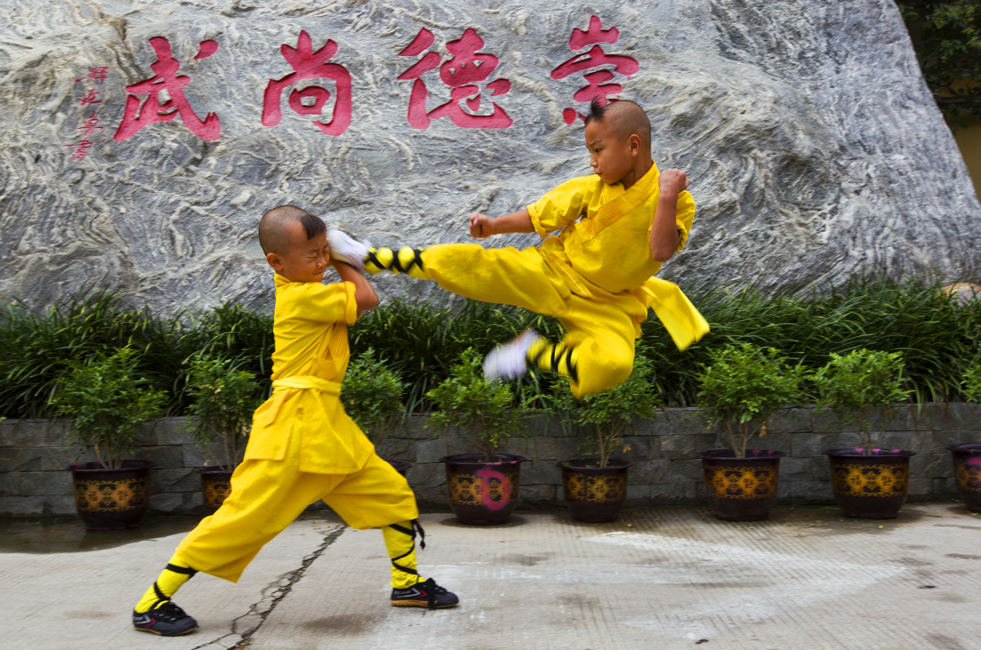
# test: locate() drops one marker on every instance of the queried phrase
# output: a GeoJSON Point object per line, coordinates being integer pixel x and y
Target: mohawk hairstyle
{"type": "Point", "coordinates": [625, 117]}
{"type": "Point", "coordinates": [272, 227]}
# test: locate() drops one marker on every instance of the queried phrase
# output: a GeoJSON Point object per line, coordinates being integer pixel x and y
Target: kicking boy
{"type": "Point", "coordinates": [303, 446]}
{"type": "Point", "coordinates": [593, 277]}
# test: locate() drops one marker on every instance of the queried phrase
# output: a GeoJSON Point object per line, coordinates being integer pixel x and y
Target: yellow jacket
{"type": "Point", "coordinates": [609, 245]}
{"type": "Point", "coordinates": [309, 362]}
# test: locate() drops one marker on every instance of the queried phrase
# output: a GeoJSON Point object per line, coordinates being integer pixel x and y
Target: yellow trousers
{"type": "Point", "coordinates": [267, 496]}
{"type": "Point", "coordinates": [602, 326]}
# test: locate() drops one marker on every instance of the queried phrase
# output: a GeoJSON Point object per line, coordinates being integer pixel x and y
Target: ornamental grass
{"type": "Point", "coordinates": [937, 336]}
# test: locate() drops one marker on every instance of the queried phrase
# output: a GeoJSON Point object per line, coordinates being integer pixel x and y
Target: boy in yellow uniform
{"type": "Point", "coordinates": [596, 276]}
{"type": "Point", "coordinates": [303, 446]}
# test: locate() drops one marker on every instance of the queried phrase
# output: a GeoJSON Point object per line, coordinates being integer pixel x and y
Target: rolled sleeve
{"type": "Point", "coordinates": [558, 207]}
{"type": "Point", "coordinates": [684, 216]}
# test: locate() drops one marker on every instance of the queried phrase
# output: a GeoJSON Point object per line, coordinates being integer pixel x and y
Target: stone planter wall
{"type": "Point", "coordinates": [666, 471]}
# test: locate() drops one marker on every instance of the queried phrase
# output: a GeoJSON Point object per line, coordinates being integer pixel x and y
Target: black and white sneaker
{"type": "Point", "coordinates": [424, 594]}
{"type": "Point", "coordinates": [166, 619]}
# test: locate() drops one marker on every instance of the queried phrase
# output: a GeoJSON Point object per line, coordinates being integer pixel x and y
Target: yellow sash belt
{"type": "Point", "coordinates": [300, 382]}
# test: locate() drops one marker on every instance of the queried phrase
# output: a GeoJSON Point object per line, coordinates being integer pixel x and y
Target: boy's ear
{"type": "Point", "coordinates": [634, 144]}
{"type": "Point", "coordinates": [275, 261]}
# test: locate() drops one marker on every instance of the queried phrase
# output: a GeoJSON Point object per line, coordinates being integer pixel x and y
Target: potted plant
{"type": "Point", "coordinates": [483, 486]}
{"type": "Point", "coordinates": [594, 485]}
{"type": "Point", "coordinates": [106, 405]}
{"type": "Point", "coordinates": [868, 482]}
{"type": "Point", "coordinates": [223, 400]}
{"type": "Point", "coordinates": [967, 457]}
{"type": "Point", "coordinates": [372, 395]}
{"type": "Point", "coordinates": [741, 388]}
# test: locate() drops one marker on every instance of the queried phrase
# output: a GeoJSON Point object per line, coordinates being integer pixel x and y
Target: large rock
{"type": "Point", "coordinates": [813, 143]}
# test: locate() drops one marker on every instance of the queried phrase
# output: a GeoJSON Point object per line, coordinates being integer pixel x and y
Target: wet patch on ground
{"type": "Point", "coordinates": [67, 535]}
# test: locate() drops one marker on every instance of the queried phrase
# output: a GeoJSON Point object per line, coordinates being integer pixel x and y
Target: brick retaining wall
{"type": "Point", "coordinates": [667, 470]}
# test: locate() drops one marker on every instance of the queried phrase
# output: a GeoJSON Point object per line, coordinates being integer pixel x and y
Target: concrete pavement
{"type": "Point", "coordinates": [662, 578]}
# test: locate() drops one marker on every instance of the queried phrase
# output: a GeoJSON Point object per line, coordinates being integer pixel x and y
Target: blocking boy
{"type": "Point", "coordinates": [303, 446]}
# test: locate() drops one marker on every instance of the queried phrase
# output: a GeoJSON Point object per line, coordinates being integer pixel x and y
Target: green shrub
{"type": "Point", "coordinates": [744, 386]}
{"type": "Point", "coordinates": [860, 384]}
{"type": "Point", "coordinates": [601, 419]}
{"type": "Point", "coordinates": [106, 403]}
{"type": "Point", "coordinates": [485, 410]}
{"type": "Point", "coordinates": [223, 400]}
{"type": "Point", "coordinates": [972, 382]}
{"type": "Point", "coordinates": [38, 349]}
{"type": "Point", "coordinates": [372, 396]}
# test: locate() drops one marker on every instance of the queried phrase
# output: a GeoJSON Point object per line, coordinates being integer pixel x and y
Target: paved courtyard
{"type": "Point", "coordinates": [661, 578]}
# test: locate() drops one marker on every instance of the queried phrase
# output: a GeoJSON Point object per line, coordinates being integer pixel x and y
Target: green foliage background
{"type": "Point", "coordinates": [938, 336]}
{"type": "Point", "coordinates": [947, 38]}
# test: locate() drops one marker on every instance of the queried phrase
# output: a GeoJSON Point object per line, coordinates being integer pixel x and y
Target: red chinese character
{"type": "Point", "coordinates": [153, 110]}
{"type": "Point", "coordinates": [465, 69]}
{"type": "Point", "coordinates": [308, 64]}
{"type": "Point", "coordinates": [596, 82]}
{"type": "Point", "coordinates": [97, 73]}
{"type": "Point", "coordinates": [91, 97]}
{"type": "Point", "coordinates": [89, 126]}
{"type": "Point", "coordinates": [82, 149]}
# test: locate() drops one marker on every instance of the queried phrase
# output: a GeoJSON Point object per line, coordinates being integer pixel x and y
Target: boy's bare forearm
{"type": "Point", "coordinates": [364, 293]}
{"type": "Point", "coordinates": [483, 226]}
{"type": "Point", "coordinates": [664, 230]}
{"type": "Point", "coordinates": [514, 222]}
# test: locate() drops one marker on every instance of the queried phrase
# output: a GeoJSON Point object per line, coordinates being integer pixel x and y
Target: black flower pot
{"type": "Point", "coordinates": [594, 494]}
{"type": "Point", "coordinates": [967, 470]}
{"type": "Point", "coordinates": [400, 466]}
{"type": "Point", "coordinates": [216, 485]}
{"type": "Point", "coordinates": [870, 486]}
{"type": "Point", "coordinates": [482, 493]}
{"type": "Point", "coordinates": [741, 489]}
{"type": "Point", "coordinates": [111, 499]}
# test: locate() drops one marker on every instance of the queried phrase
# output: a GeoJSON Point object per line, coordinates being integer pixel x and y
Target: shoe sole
{"type": "Point", "coordinates": [146, 629]}
{"type": "Point", "coordinates": [417, 603]}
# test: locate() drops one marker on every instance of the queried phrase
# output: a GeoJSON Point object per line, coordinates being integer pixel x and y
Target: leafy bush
{"type": "Point", "coordinates": [39, 349]}
{"type": "Point", "coordinates": [372, 395]}
{"type": "Point", "coordinates": [935, 333]}
{"type": "Point", "coordinates": [223, 400]}
{"type": "Point", "coordinates": [859, 384]}
{"type": "Point", "coordinates": [106, 403]}
{"type": "Point", "coordinates": [947, 38]}
{"type": "Point", "coordinates": [972, 382]}
{"type": "Point", "coordinates": [422, 341]}
{"type": "Point", "coordinates": [744, 386]}
{"type": "Point", "coordinates": [485, 410]}
{"type": "Point", "coordinates": [601, 419]}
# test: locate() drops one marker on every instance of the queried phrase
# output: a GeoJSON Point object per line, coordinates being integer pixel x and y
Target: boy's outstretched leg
{"type": "Point", "coordinates": [156, 613]}
{"type": "Point", "coordinates": [409, 589]}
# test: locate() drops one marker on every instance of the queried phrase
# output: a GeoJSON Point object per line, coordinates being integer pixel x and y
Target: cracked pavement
{"type": "Point", "coordinates": [666, 577]}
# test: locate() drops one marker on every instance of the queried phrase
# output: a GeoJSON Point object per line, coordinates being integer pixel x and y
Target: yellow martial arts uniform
{"type": "Point", "coordinates": [595, 276]}
{"type": "Point", "coordinates": [303, 447]}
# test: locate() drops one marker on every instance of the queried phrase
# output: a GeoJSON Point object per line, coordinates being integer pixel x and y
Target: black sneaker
{"type": "Point", "coordinates": [166, 619]}
{"type": "Point", "coordinates": [424, 594]}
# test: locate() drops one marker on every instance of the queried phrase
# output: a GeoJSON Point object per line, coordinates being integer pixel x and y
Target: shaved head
{"type": "Point", "coordinates": [624, 117]}
{"type": "Point", "coordinates": [274, 233]}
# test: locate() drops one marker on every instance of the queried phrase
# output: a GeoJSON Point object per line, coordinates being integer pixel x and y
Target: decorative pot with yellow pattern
{"type": "Point", "coordinates": [216, 485]}
{"type": "Point", "coordinates": [870, 483]}
{"type": "Point", "coordinates": [967, 471]}
{"type": "Point", "coordinates": [111, 499]}
{"type": "Point", "coordinates": [594, 494]}
{"type": "Point", "coordinates": [482, 493]}
{"type": "Point", "coordinates": [741, 489]}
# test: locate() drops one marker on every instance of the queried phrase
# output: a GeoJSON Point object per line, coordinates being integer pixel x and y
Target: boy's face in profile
{"type": "Point", "coordinates": [611, 157]}
{"type": "Point", "coordinates": [305, 260]}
